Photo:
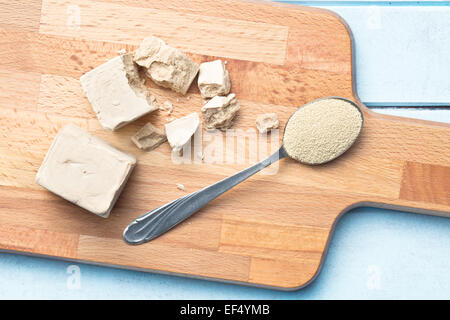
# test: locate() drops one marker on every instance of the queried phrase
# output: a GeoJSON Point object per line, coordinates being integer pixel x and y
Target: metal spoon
{"type": "Point", "coordinates": [156, 222]}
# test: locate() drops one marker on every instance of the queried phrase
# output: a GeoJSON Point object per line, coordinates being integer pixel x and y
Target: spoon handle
{"type": "Point", "coordinates": [154, 223]}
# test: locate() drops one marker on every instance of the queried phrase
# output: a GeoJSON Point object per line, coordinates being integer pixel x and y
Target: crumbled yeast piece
{"type": "Point", "coordinates": [165, 65]}
{"type": "Point", "coordinates": [200, 156]}
{"type": "Point", "coordinates": [180, 131]}
{"type": "Point", "coordinates": [213, 79]}
{"type": "Point", "coordinates": [266, 122]}
{"type": "Point", "coordinates": [168, 106]}
{"type": "Point", "coordinates": [180, 186]}
{"type": "Point", "coordinates": [85, 170]}
{"type": "Point", "coordinates": [117, 93]}
{"type": "Point", "coordinates": [149, 137]}
{"type": "Point", "coordinates": [121, 51]}
{"type": "Point", "coordinates": [218, 113]}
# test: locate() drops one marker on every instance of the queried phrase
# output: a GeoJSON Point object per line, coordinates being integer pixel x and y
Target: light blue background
{"type": "Point", "coordinates": [402, 58]}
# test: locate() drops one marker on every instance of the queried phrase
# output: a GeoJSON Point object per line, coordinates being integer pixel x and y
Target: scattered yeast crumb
{"type": "Point", "coordinates": [168, 106]}
{"type": "Point", "coordinates": [200, 156]}
{"type": "Point", "coordinates": [266, 122]}
{"type": "Point", "coordinates": [180, 186]}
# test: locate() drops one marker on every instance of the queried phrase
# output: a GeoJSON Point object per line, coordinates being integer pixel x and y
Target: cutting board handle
{"type": "Point", "coordinates": [423, 147]}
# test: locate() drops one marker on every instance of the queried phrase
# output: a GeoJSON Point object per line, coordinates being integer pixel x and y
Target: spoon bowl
{"type": "Point", "coordinates": [322, 130]}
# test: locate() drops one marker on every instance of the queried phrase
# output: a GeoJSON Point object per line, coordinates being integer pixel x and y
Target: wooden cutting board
{"type": "Point", "coordinates": [274, 229]}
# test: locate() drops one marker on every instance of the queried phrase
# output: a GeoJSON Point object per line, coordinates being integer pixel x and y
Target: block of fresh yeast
{"type": "Point", "coordinates": [85, 170]}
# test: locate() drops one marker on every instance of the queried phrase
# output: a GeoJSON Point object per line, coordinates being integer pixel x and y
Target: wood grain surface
{"type": "Point", "coordinates": [273, 230]}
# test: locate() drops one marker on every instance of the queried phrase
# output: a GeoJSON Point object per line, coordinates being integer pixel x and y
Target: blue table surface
{"type": "Point", "coordinates": [402, 59]}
